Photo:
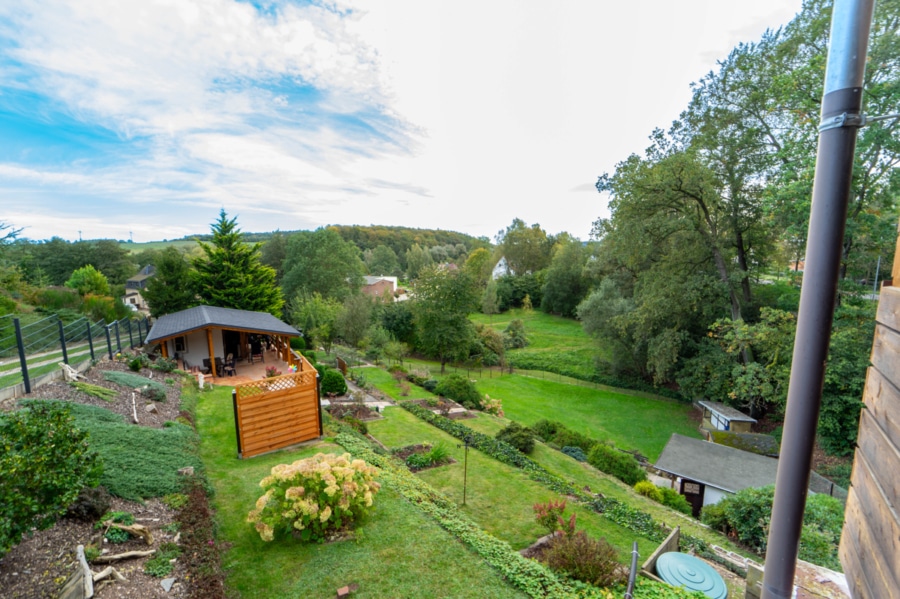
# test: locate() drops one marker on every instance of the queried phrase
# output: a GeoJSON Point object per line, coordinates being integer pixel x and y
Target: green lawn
{"type": "Point", "coordinates": [554, 342]}
{"type": "Point", "coordinates": [498, 497]}
{"type": "Point", "coordinates": [385, 382]}
{"type": "Point", "coordinates": [630, 421]}
{"type": "Point", "coordinates": [398, 551]}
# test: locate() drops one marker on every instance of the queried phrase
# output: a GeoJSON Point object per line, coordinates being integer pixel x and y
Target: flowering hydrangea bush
{"type": "Point", "coordinates": [313, 496]}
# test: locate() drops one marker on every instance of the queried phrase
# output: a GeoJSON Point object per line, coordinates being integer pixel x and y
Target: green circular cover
{"type": "Point", "coordinates": [682, 570]}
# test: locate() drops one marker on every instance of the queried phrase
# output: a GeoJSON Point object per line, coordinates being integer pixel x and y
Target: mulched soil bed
{"type": "Point", "coordinates": [341, 410]}
{"type": "Point", "coordinates": [404, 452]}
{"type": "Point", "coordinates": [38, 566]}
{"type": "Point", "coordinates": [452, 416]}
{"type": "Point", "coordinates": [41, 563]}
{"type": "Point", "coordinates": [165, 410]}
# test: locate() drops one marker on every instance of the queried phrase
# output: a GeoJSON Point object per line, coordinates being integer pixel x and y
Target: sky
{"type": "Point", "coordinates": [143, 119]}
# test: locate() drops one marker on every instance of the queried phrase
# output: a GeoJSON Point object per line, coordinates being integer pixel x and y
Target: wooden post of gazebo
{"type": "Point", "coordinates": [212, 353]}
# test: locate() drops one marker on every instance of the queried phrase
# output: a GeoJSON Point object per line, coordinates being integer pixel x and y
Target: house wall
{"type": "Point", "coordinates": [198, 347]}
{"type": "Point", "coordinates": [870, 542]}
{"type": "Point", "coordinates": [383, 289]}
{"type": "Point", "coordinates": [714, 495]}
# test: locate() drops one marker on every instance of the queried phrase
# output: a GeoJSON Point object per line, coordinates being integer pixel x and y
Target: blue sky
{"type": "Point", "coordinates": [123, 118]}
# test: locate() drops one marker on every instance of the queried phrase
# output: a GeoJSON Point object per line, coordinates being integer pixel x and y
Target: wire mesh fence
{"type": "Point", "coordinates": [35, 348]}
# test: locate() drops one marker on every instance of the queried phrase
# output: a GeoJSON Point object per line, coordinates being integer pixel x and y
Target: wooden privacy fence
{"type": "Point", "coordinates": [276, 412]}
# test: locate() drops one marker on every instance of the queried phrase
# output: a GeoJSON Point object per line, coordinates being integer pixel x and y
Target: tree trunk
{"type": "Point", "coordinates": [745, 270]}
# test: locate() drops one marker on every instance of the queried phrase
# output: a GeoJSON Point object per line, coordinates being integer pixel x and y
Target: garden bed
{"type": "Point", "coordinates": [452, 415]}
{"type": "Point", "coordinates": [420, 448]}
{"type": "Point", "coordinates": [341, 410]}
{"type": "Point", "coordinates": [36, 567]}
{"type": "Point", "coordinates": [165, 411]}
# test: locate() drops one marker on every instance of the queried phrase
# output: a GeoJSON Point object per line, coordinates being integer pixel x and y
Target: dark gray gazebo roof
{"type": "Point", "coordinates": [203, 317]}
{"type": "Point", "coordinates": [716, 465]}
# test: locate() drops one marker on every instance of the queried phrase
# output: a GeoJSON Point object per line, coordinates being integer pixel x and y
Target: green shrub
{"type": "Point", "coordinates": [460, 389]}
{"type": "Point", "coordinates": [675, 500]}
{"type": "Point", "coordinates": [298, 344]}
{"type": "Point", "coordinates": [165, 365]}
{"type": "Point", "coordinates": [648, 489]}
{"type": "Point", "coordinates": [514, 335]}
{"type": "Point", "coordinates": [616, 463]}
{"type": "Point", "coordinates": [584, 558]}
{"type": "Point", "coordinates": [548, 515]}
{"type": "Point", "coordinates": [575, 452]}
{"type": "Point", "coordinates": [139, 361]}
{"type": "Point", "coordinates": [417, 461]}
{"type": "Point", "coordinates": [747, 515]}
{"type": "Point", "coordinates": [45, 462]}
{"type": "Point", "coordinates": [545, 429]}
{"type": "Point", "coordinates": [113, 534]}
{"type": "Point", "coordinates": [430, 385]}
{"type": "Point", "coordinates": [713, 515]}
{"type": "Point", "coordinates": [438, 452]}
{"type": "Point", "coordinates": [310, 355]}
{"type": "Point", "coordinates": [175, 501]}
{"type": "Point", "coordinates": [518, 436]}
{"type": "Point", "coordinates": [313, 496]}
{"type": "Point", "coordinates": [567, 437]}
{"type": "Point", "coordinates": [160, 565]}
{"type": "Point", "coordinates": [333, 383]}
{"type": "Point", "coordinates": [357, 424]}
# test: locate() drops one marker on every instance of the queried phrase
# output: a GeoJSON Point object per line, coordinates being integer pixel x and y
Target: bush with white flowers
{"type": "Point", "coordinates": [314, 496]}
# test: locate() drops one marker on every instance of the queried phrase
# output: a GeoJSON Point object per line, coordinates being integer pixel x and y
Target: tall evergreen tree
{"type": "Point", "coordinates": [173, 287]}
{"type": "Point", "coordinates": [231, 275]}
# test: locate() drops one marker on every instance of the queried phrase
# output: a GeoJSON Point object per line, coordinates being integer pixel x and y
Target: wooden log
{"type": "Point", "coordinates": [134, 408]}
{"type": "Point", "coordinates": [138, 530]}
{"type": "Point", "coordinates": [88, 579]}
{"type": "Point", "coordinates": [108, 559]}
{"type": "Point", "coordinates": [107, 572]}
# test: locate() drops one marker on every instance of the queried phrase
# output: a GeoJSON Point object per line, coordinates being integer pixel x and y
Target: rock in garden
{"type": "Point", "coordinates": [151, 408]}
{"type": "Point", "coordinates": [167, 584]}
{"type": "Point", "coordinates": [186, 471]}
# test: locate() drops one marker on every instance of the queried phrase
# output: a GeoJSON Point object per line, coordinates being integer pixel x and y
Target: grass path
{"type": "Point", "coordinates": [398, 551]}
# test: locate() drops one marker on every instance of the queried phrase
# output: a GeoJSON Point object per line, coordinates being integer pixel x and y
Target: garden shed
{"type": "Point", "coordinates": [719, 416]}
{"type": "Point", "coordinates": [212, 333]}
{"type": "Point", "coordinates": [706, 472]}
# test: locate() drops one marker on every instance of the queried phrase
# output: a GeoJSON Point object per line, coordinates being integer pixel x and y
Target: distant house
{"type": "Point", "coordinates": [720, 417]}
{"type": "Point", "coordinates": [705, 473]}
{"type": "Point", "coordinates": [135, 285]}
{"type": "Point", "coordinates": [384, 288]}
{"type": "Point", "coordinates": [500, 269]}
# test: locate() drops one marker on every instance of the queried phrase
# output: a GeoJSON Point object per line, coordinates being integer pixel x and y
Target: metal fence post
{"type": "Point", "coordinates": [62, 340]}
{"type": "Point", "coordinates": [118, 338]}
{"type": "Point", "coordinates": [90, 340]}
{"type": "Point", "coordinates": [237, 422]}
{"type": "Point", "coordinates": [109, 343]}
{"type": "Point", "coordinates": [22, 360]}
{"type": "Point", "coordinates": [140, 335]}
{"type": "Point", "coordinates": [130, 336]}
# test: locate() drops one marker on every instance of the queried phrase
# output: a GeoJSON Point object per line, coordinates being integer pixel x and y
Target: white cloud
{"type": "Point", "coordinates": [469, 113]}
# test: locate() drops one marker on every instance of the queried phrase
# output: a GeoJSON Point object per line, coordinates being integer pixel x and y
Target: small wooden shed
{"type": "Point", "coordinates": [718, 416]}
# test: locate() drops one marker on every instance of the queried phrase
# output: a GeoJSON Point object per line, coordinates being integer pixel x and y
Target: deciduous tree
{"type": "Point", "coordinates": [443, 301]}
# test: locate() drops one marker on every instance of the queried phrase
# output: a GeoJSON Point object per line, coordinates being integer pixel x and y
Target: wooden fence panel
{"type": "Point", "coordinates": [870, 543]}
{"type": "Point", "coordinates": [277, 412]}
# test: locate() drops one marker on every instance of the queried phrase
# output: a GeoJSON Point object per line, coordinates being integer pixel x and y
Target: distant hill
{"type": "Point", "coordinates": [398, 239]}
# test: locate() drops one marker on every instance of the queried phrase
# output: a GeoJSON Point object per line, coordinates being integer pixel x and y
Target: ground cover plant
{"type": "Point", "coordinates": [152, 389]}
{"type": "Point", "coordinates": [399, 552]}
{"type": "Point", "coordinates": [139, 462]}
